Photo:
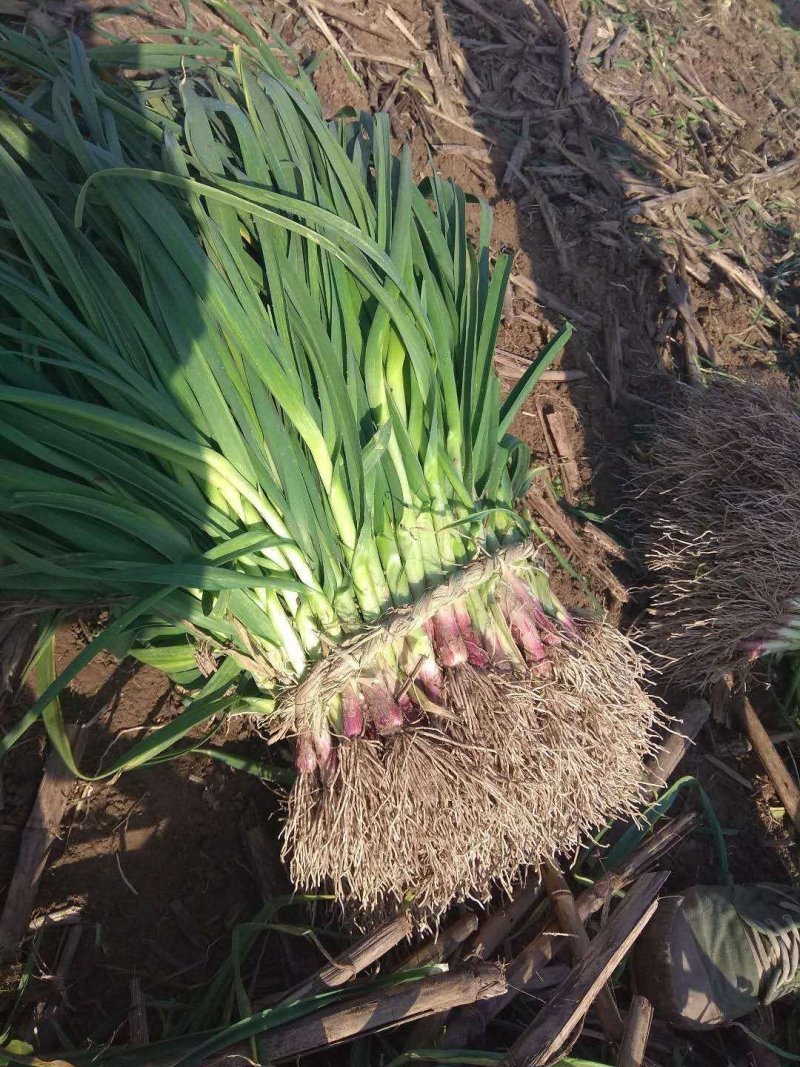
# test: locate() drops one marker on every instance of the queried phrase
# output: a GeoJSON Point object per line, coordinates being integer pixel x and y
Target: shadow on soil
{"type": "Point", "coordinates": [565, 178]}
{"type": "Point", "coordinates": [558, 161]}
{"type": "Point", "coordinates": [789, 13]}
{"type": "Point", "coordinates": [157, 870]}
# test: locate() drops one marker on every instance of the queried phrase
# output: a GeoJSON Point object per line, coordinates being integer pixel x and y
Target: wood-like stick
{"type": "Point", "coordinates": [381, 1010]}
{"type": "Point", "coordinates": [785, 785]}
{"type": "Point", "coordinates": [637, 1031]}
{"type": "Point", "coordinates": [563, 904]}
{"type": "Point", "coordinates": [41, 830]}
{"type": "Point", "coordinates": [357, 958]}
{"type": "Point", "coordinates": [529, 963]}
{"type": "Point", "coordinates": [555, 1022]}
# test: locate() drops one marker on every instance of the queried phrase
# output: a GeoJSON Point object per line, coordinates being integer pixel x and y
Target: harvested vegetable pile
{"type": "Point", "coordinates": [726, 539]}
{"type": "Point", "coordinates": [248, 404]}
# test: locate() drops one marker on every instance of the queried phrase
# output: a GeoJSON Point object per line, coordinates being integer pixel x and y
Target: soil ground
{"type": "Point", "coordinates": [660, 160]}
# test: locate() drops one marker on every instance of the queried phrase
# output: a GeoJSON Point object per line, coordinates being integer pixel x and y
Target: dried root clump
{"type": "Point", "coordinates": [514, 769]}
{"type": "Point", "coordinates": [726, 538]}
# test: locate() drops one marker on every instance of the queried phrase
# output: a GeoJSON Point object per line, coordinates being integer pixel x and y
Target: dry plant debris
{"type": "Point", "coordinates": [474, 989]}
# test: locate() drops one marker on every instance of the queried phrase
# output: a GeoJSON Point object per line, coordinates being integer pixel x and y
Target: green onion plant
{"type": "Point", "coordinates": [718, 495]}
{"type": "Point", "coordinates": [248, 406]}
